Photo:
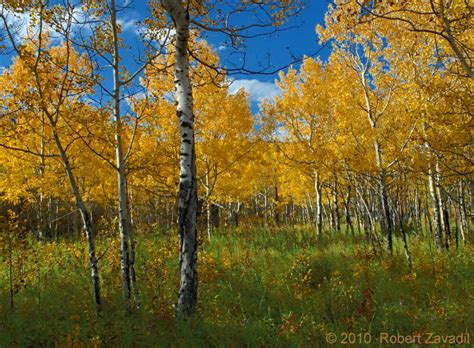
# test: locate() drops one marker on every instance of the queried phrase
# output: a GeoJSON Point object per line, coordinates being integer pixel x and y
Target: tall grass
{"type": "Point", "coordinates": [262, 287]}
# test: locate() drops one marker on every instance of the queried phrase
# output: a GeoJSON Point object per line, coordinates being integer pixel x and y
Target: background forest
{"type": "Point", "coordinates": [145, 201]}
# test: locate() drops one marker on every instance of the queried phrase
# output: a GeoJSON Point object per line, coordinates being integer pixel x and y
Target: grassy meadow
{"type": "Point", "coordinates": [257, 288]}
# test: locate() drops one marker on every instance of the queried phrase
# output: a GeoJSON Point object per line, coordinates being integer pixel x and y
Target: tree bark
{"type": "Point", "coordinates": [335, 197]}
{"type": "Point", "coordinates": [319, 210]}
{"type": "Point", "coordinates": [276, 206]}
{"type": "Point", "coordinates": [462, 211]}
{"type": "Point", "coordinates": [187, 196]}
{"type": "Point", "coordinates": [124, 219]}
{"type": "Point", "coordinates": [347, 211]}
{"type": "Point", "coordinates": [87, 224]}
{"type": "Point", "coordinates": [436, 212]}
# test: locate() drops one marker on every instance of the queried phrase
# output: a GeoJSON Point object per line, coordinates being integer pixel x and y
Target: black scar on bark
{"type": "Point", "coordinates": [179, 113]}
{"type": "Point", "coordinates": [183, 176]}
{"type": "Point", "coordinates": [186, 125]}
{"type": "Point", "coordinates": [185, 135]}
{"type": "Point", "coordinates": [184, 154]}
{"type": "Point", "coordinates": [187, 141]}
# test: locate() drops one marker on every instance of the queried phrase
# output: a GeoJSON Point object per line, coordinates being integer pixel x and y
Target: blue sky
{"type": "Point", "coordinates": [274, 51]}
{"type": "Point", "coordinates": [282, 48]}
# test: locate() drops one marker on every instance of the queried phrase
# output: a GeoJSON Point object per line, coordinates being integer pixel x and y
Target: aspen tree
{"type": "Point", "coordinates": [57, 78]}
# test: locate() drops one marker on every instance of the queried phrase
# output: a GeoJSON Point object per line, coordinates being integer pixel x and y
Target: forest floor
{"type": "Point", "coordinates": [265, 287]}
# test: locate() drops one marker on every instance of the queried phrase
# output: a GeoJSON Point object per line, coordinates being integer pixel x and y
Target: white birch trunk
{"type": "Point", "coordinates": [87, 224]}
{"type": "Point", "coordinates": [373, 117]}
{"type": "Point", "coordinates": [444, 216]}
{"type": "Point", "coordinates": [208, 206]}
{"type": "Point", "coordinates": [436, 212]}
{"type": "Point", "coordinates": [337, 223]}
{"type": "Point", "coordinates": [319, 210]}
{"type": "Point", "coordinates": [187, 196]}
{"type": "Point", "coordinates": [462, 211]}
{"type": "Point", "coordinates": [124, 219]}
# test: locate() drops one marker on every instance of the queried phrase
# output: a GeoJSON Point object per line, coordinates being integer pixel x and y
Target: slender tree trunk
{"type": "Point", "coordinates": [255, 200]}
{"type": "Point", "coordinates": [124, 220]}
{"type": "Point", "coordinates": [208, 207]}
{"type": "Point", "coordinates": [418, 208]}
{"type": "Point", "coordinates": [456, 232]}
{"type": "Point", "coordinates": [133, 273]}
{"type": "Point", "coordinates": [214, 215]}
{"type": "Point", "coordinates": [85, 220]}
{"type": "Point", "coordinates": [347, 211]}
{"type": "Point", "coordinates": [386, 221]}
{"type": "Point", "coordinates": [276, 206]}
{"type": "Point", "coordinates": [405, 244]}
{"type": "Point", "coordinates": [453, 42]}
{"type": "Point", "coordinates": [335, 197]}
{"type": "Point", "coordinates": [436, 212]}
{"type": "Point", "coordinates": [373, 117]}
{"type": "Point", "coordinates": [470, 193]}
{"type": "Point", "coordinates": [236, 214]}
{"type": "Point", "coordinates": [187, 196]}
{"type": "Point", "coordinates": [367, 219]}
{"type": "Point", "coordinates": [56, 220]}
{"type": "Point", "coordinates": [40, 223]}
{"type": "Point", "coordinates": [209, 224]}
{"type": "Point", "coordinates": [265, 206]}
{"type": "Point", "coordinates": [319, 210]}
{"type": "Point", "coordinates": [312, 210]}
{"type": "Point", "coordinates": [444, 216]}
{"type": "Point", "coordinates": [462, 211]}
{"type": "Point", "coordinates": [357, 216]}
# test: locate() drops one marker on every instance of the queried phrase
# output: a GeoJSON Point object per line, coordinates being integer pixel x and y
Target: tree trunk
{"type": "Point", "coordinates": [124, 219]}
{"type": "Point", "coordinates": [265, 206]}
{"type": "Point", "coordinates": [85, 220]}
{"type": "Point", "coordinates": [405, 243]}
{"type": "Point", "coordinates": [214, 215]}
{"type": "Point", "coordinates": [462, 211]}
{"type": "Point", "coordinates": [337, 223]}
{"type": "Point", "coordinates": [40, 217]}
{"type": "Point", "coordinates": [386, 221]}
{"type": "Point", "coordinates": [444, 216]}
{"type": "Point", "coordinates": [319, 210]}
{"type": "Point", "coordinates": [418, 208]}
{"type": "Point", "coordinates": [357, 216]}
{"type": "Point", "coordinates": [208, 207]}
{"type": "Point", "coordinates": [436, 212]}
{"type": "Point", "coordinates": [276, 206]}
{"type": "Point", "coordinates": [347, 211]}
{"type": "Point", "coordinates": [133, 273]}
{"type": "Point", "coordinates": [187, 196]}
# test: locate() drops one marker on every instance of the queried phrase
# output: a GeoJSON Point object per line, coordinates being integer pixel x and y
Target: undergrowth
{"type": "Point", "coordinates": [262, 287]}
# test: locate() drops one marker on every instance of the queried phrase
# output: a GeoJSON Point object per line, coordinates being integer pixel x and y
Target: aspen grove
{"type": "Point", "coordinates": [146, 201]}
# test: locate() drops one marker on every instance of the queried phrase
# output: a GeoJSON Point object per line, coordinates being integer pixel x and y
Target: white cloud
{"type": "Point", "coordinates": [257, 90]}
{"type": "Point", "coordinates": [82, 21]}
{"type": "Point", "coordinates": [21, 25]}
{"type": "Point", "coordinates": [18, 23]}
{"type": "Point", "coordinates": [127, 25]}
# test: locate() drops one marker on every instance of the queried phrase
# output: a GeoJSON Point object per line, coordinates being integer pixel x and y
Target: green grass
{"type": "Point", "coordinates": [257, 288]}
